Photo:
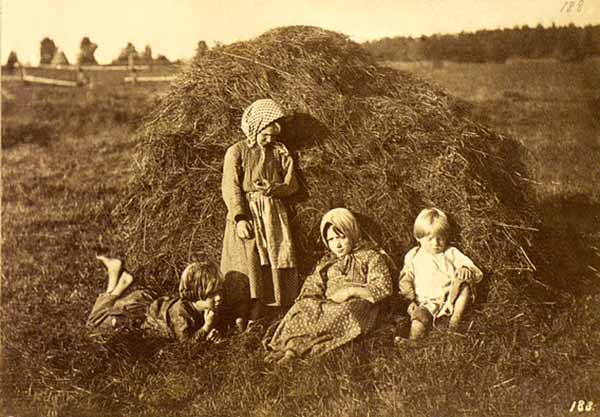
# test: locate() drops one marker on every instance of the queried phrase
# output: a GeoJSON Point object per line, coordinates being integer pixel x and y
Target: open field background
{"type": "Point", "coordinates": [66, 155]}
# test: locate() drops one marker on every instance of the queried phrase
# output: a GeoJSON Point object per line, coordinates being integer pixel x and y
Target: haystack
{"type": "Point", "coordinates": [375, 140]}
{"type": "Point", "coordinates": [59, 58]}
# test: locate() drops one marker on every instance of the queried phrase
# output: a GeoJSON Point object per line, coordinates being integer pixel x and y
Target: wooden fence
{"type": "Point", "coordinates": [82, 75]}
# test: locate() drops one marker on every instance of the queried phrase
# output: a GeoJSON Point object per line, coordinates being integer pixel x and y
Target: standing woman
{"type": "Point", "coordinates": [258, 253]}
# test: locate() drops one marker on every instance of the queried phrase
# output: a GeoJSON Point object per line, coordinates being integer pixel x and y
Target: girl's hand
{"type": "Point", "coordinates": [340, 295]}
{"type": "Point", "coordinates": [209, 319]}
{"type": "Point", "coordinates": [214, 336]}
{"type": "Point", "coordinates": [411, 308]}
{"type": "Point", "coordinates": [464, 274]}
{"type": "Point", "coordinates": [265, 187]}
{"type": "Point", "coordinates": [243, 229]}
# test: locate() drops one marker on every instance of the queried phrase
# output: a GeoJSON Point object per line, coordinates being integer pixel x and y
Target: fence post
{"type": "Point", "coordinates": [131, 64]}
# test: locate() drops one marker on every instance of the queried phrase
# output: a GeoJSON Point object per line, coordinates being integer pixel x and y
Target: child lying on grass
{"type": "Point", "coordinates": [189, 317]}
{"type": "Point", "coordinates": [437, 279]}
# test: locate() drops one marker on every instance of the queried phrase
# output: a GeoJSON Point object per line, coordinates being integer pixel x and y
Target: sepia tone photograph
{"type": "Point", "coordinates": [321, 208]}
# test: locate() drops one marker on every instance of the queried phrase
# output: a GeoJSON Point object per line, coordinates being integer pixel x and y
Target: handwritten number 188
{"type": "Point", "coordinates": [581, 406]}
{"type": "Point", "coordinates": [569, 5]}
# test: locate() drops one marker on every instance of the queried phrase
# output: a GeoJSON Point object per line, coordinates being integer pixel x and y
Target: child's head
{"type": "Point", "coordinates": [260, 117]}
{"type": "Point", "coordinates": [432, 230]}
{"type": "Point", "coordinates": [268, 134]}
{"type": "Point", "coordinates": [201, 281]}
{"type": "Point", "coordinates": [340, 231]}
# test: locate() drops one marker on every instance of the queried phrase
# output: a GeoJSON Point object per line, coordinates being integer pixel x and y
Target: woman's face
{"type": "Point", "coordinates": [339, 244]}
{"type": "Point", "coordinates": [267, 135]}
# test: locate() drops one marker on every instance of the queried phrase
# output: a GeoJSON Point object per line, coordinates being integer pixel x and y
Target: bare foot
{"type": "Point", "coordinates": [112, 264]}
{"type": "Point", "coordinates": [124, 281]}
{"type": "Point", "coordinates": [240, 324]}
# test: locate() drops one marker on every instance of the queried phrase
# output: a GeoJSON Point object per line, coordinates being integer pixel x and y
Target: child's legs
{"type": "Point", "coordinates": [421, 322]}
{"type": "Point", "coordinates": [100, 310]}
{"type": "Point", "coordinates": [460, 306]}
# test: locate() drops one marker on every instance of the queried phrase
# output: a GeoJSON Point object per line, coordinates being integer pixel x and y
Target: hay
{"type": "Point", "coordinates": [375, 140]}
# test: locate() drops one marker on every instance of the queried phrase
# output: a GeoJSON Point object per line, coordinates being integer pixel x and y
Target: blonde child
{"type": "Point", "coordinates": [189, 317]}
{"type": "Point", "coordinates": [437, 279]}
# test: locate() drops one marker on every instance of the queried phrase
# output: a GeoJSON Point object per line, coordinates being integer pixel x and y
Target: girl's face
{"type": "Point", "coordinates": [433, 243]}
{"type": "Point", "coordinates": [212, 302]}
{"type": "Point", "coordinates": [267, 135]}
{"type": "Point", "coordinates": [339, 244]}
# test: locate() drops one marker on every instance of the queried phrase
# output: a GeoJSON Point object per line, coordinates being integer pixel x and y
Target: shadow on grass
{"type": "Point", "coordinates": [570, 241]}
{"type": "Point", "coordinates": [31, 133]}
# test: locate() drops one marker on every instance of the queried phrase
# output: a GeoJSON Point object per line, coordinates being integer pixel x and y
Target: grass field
{"type": "Point", "coordinates": [66, 155]}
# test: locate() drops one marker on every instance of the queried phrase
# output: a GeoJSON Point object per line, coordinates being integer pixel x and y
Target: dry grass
{"type": "Point", "coordinates": [57, 200]}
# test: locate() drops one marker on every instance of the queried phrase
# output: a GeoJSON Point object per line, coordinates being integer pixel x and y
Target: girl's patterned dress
{"type": "Point", "coordinates": [315, 325]}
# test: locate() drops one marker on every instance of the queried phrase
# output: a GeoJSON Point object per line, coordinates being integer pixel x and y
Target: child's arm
{"type": "Point", "coordinates": [290, 182]}
{"type": "Point", "coordinates": [466, 270]}
{"type": "Point", "coordinates": [406, 283]}
{"type": "Point", "coordinates": [378, 286]}
{"type": "Point", "coordinates": [313, 285]}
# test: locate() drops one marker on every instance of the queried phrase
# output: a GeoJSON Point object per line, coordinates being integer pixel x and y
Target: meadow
{"type": "Point", "coordinates": [66, 160]}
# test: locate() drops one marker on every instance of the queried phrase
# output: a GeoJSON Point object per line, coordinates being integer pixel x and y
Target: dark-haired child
{"type": "Point", "coordinates": [189, 317]}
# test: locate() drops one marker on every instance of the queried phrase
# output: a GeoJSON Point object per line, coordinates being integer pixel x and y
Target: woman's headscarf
{"type": "Point", "coordinates": [344, 221]}
{"type": "Point", "coordinates": [199, 280]}
{"type": "Point", "coordinates": [259, 115]}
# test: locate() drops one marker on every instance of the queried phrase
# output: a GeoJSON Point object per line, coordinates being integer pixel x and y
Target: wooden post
{"type": "Point", "coordinates": [131, 64]}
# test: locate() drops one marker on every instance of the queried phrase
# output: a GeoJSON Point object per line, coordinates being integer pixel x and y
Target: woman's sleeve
{"type": "Point", "coordinates": [461, 260]}
{"type": "Point", "coordinates": [231, 185]}
{"type": "Point", "coordinates": [379, 279]}
{"type": "Point", "coordinates": [313, 286]}
{"type": "Point", "coordinates": [290, 181]}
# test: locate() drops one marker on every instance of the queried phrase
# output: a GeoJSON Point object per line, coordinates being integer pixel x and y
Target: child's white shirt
{"type": "Point", "coordinates": [433, 274]}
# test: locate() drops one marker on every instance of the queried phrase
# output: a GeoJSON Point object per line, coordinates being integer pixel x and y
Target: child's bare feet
{"type": "Point", "coordinates": [113, 267]}
{"type": "Point", "coordinates": [124, 281]}
{"type": "Point", "coordinates": [240, 324]}
{"type": "Point", "coordinates": [112, 264]}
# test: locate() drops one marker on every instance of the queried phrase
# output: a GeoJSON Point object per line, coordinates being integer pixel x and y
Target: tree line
{"type": "Point", "coordinates": [566, 43]}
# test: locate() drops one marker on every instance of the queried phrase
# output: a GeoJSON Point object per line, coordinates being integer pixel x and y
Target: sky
{"type": "Point", "coordinates": [174, 27]}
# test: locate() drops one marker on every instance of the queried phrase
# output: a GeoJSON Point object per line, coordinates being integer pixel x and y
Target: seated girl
{"type": "Point", "coordinates": [189, 317]}
{"type": "Point", "coordinates": [437, 279]}
{"type": "Point", "coordinates": [339, 301]}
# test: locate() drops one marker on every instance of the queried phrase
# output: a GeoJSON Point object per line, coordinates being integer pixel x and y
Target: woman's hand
{"type": "Point", "coordinates": [340, 295]}
{"type": "Point", "coordinates": [243, 229]}
{"type": "Point", "coordinates": [464, 274]}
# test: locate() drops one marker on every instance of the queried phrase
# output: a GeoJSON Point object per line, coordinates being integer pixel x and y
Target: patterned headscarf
{"type": "Point", "coordinates": [199, 280]}
{"type": "Point", "coordinates": [259, 115]}
{"type": "Point", "coordinates": [344, 221]}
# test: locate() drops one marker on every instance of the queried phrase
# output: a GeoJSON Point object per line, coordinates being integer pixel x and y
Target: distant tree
{"type": "Point", "coordinates": [47, 51]}
{"type": "Point", "coordinates": [201, 49]}
{"type": "Point", "coordinates": [86, 52]}
{"type": "Point", "coordinates": [12, 61]}
{"type": "Point", "coordinates": [565, 43]}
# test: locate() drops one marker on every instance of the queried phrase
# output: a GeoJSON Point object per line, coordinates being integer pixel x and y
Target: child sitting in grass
{"type": "Point", "coordinates": [189, 317]}
{"type": "Point", "coordinates": [437, 279]}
